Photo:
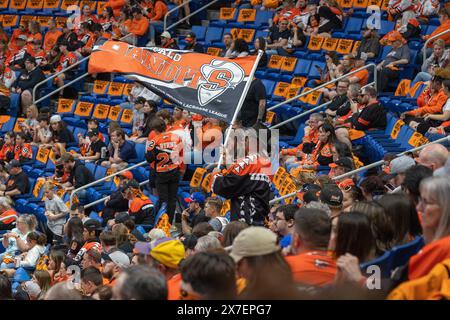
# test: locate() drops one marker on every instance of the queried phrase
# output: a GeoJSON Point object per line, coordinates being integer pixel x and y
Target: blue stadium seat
{"type": "Point", "coordinates": [200, 32]}
{"type": "Point", "coordinates": [213, 34]}
{"type": "Point", "coordinates": [386, 26]}
{"type": "Point", "coordinates": [401, 254]}
{"type": "Point", "coordinates": [354, 25]}
{"type": "Point", "coordinates": [302, 68]}
{"type": "Point", "coordinates": [384, 262]}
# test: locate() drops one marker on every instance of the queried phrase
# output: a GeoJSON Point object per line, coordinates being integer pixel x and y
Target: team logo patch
{"type": "Point", "coordinates": [219, 76]}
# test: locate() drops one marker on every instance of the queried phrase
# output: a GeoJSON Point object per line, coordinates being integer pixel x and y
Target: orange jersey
{"type": "Point", "coordinates": [23, 152]}
{"type": "Point", "coordinates": [362, 75]}
{"type": "Point", "coordinates": [16, 33]}
{"type": "Point", "coordinates": [7, 148]}
{"type": "Point", "coordinates": [433, 104]}
{"type": "Point", "coordinates": [165, 150]}
{"type": "Point", "coordinates": [311, 137]}
{"type": "Point", "coordinates": [50, 39]}
{"type": "Point", "coordinates": [39, 56]}
{"type": "Point", "coordinates": [314, 268]}
{"type": "Point", "coordinates": [66, 60]}
{"type": "Point", "coordinates": [158, 11]}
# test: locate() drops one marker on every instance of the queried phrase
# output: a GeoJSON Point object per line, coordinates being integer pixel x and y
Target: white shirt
{"type": "Point", "coordinates": [446, 106]}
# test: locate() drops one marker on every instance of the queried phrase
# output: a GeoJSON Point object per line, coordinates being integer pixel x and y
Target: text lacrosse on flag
{"type": "Point", "coordinates": [200, 83]}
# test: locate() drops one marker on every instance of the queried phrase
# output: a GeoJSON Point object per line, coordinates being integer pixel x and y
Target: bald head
{"type": "Point", "coordinates": [433, 156]}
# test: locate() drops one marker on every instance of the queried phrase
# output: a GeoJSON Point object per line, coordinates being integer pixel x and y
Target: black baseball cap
{"type": "Point", "coordinates": [331, 195]}
{"type": "Point", "coordinates": [92, 225]}
{"type": "Point", "coordinates": [130, 184]}
{"type": "Point", "coordinates": [191, 35]}
{"type": "Point", "coordinates": [13, 164]}
{"type": "Point", "coordinates": [122, 217]}
{"type": "Point", "coordinates": [93, 132]}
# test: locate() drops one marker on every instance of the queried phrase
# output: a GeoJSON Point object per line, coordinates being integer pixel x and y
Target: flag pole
{"type": "Point", "coordinates": [240, 103]}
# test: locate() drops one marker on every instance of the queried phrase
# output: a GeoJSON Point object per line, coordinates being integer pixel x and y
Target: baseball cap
{"type": "Point", "coordinates": [395, 36]}
{"type": "Point", "coordinates": [22, 37]}
{"type": "Point", "coordinates": [253, 241]}
{"type": "Point", "coordinates": [92, 225]}
{"type": "Point", "coordinates": [166, 34]}
{"type": "Point", "coordinates": [55, 118]}
{"type": "Point", "coordinates": [345, 163]}
{"type": "Point", "coordinates": [121, 217]}
{"type": "Point", "coordinates": [195, 197]}
{"type": "Point", "coordinates": [310, 196]}
{"type": "Point", "coordinates": [156, 234]}
{"type": "Point", "coordinates": [331, 195]}
{"type": "Point", "coordinates": [191, 35]}
{"type": "Point", "coordinates": [93, 132]}
{"type": "Point", "coordinates": [127, 175]}
{"type": "Point", "coordinates": [118, 257]}
{"type": "Point", "coordinates": [13, 164]}
{"type": "Point", "coordinates": [167, 251]}
{"type": "Point", "coordinates": [142, 248]}
{"type": "Point", "coordinates": [130, 184]}
{"type": "Point", "coordinates": [400, 165]}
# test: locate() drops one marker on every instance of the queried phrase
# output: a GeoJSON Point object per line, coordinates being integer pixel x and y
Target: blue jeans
{"type": "Point", "coordinates": [421, 76]}
{"type": "Point", "coordinates": [155, 26]}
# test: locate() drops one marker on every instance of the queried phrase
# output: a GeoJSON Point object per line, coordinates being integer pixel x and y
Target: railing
{"type": "Point", "coordinates": [369, 166]}
{"type": "Point", "coordinates": [187, 17]}
{"type": "Point", "coordinates": [306, 112]}
{"type": "Point", "coordinates": [103, 199]}
{"type": "Point", "coordinates": [140, 164]}
{"type": "Point", "coordinates": [300, 115]}
{"type": "Point", "coordinates": [424, 49]}
{"type": "Point", "coordinates": [53, 76]}
{"type": "Point", "coordinates": [8, 218]}
{"type": "Point", "coordinates": [328, 83]}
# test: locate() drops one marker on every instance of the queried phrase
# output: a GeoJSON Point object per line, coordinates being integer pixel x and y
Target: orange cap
{"type": "Point", "coordinates": [395, 36]}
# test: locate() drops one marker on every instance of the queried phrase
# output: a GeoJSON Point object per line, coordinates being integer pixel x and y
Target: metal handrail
{"type": "Point", "coordinates": [103, 199]}
{"type": "Point", "coordinates": [307, 112]}
{"type": "Point", "coordinates": [53, 76]}
{"type": "Point", "coordinates": [140, 164]}
{"type": "Point", "coordinates": [328, 83]}
{"type": "Point", "coordinates": [172, 10]}
{"type": "Point", "coordinates": [300, 115]}
{"type": "Point", "coordinates": [369, 166]}
{"type": "Point", "coordinates": [424, 49]}
{"type": "Point", "coordinates": [187, 17]}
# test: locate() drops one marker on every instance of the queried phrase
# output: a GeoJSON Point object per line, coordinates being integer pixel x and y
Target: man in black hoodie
{"type": "Point", "coordinates": [25, 83]}
{"type": "Point", "coordinates": [79, 175]}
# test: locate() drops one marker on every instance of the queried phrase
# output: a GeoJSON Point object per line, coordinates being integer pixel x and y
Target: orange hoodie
{"type": "Point", "coordinates": [433, 106]}
{"type": "Point", "coordinates": [139, 27]}
{"type": "Point", "coordinates": [159, 11]}
{"type": "Point", "coordinates": [445, 37]}
{"type": "Point", "coordinates": [116, 5]}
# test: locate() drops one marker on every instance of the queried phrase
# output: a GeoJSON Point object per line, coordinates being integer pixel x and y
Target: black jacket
{"type": "Point", "coordinates": [247, 185]}
{"type": "Point", "coordinates": [29, 79]}
{"type": "Point", "coordinates": [372, 116]}
{"type": "Point", "coordinates": [80, 175]}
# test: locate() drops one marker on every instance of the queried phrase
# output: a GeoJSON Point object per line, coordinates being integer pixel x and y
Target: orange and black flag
{"type": "Point", "coordinates": [201, 83]}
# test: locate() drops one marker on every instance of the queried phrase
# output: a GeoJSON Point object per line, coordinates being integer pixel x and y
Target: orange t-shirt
{"type": "Point", "coordinates": [50, 39]}
{"type": "Point", "coordinates": [362, 75]}
{"type": "Point", "coordinates": [116, 5]}
{"type": "Point", "coordinates": [174, 287]}
{"type": "Point", "coordinates": [139, 27]}
{"type": "Point", "coordinates": [316, 268]}
{"type": "Point", "coordinates": [430, 255]}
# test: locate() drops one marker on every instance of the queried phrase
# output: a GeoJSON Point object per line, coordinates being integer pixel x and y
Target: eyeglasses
{"type": "Point", "coordinates": [425, 201]}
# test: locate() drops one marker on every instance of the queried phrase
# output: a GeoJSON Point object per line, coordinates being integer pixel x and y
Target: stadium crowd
{"type": "Point", "coordinates": [226, 239]}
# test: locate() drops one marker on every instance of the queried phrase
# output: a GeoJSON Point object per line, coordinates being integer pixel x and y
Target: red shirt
{"type": "Point", "coordinates": [316, 268]}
